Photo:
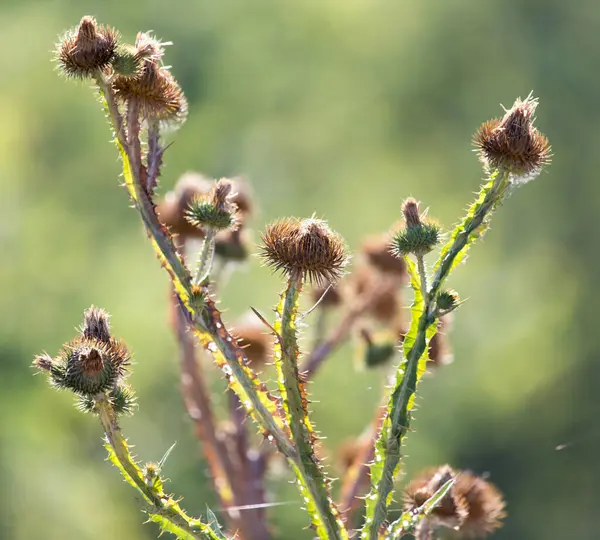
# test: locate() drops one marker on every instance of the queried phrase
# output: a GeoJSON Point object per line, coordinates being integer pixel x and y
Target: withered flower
{"type": "Point", "coordinates": [232, 245]}
{"type": "Point", "coordinates": [327, 295]}
{"type": "Point", "coordinates": [305, 247]}
{"type": "Point", "coordinates": [474, 507]}
{"type": "Point", "coordinates": [513, 143]}
{"type": "Point", "coordinates": [256, 343]}
{"type": "Point", "coordinates": [153, 89]}
{"type": "Point", "coordinates": [87, 49]}
{"type": "Point", "coordinates": [378, 253]}
{"type": "Point", "coordinates": [440, 353]}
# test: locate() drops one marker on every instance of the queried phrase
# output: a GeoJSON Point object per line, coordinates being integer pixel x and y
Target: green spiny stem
{"type": "Point", "coordinates": [493, 193]}
{"type": "Point", "coordinates": [206, 257]}
{"type": "Point", "coordinates": [401, 400]}
{"type": "Point", "coordinates": [161, 504]}
{"type": "Point", "coordinates": [204, 323]}
{"type": "Point", "coordinates": [311, 477]}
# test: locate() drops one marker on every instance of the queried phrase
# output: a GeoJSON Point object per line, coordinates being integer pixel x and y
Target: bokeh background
{"type": "Point", "coordinates": [341, 108]}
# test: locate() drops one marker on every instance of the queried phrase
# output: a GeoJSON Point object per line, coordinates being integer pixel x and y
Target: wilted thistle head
{"type": "Point", "coordinates": [304, 247]}
{"type": "Point", "coordinates": [91, 364]}
{"type": "Point", "coordinates": [232, 245]}
{"type": "Point", "coordinates": [419, 235]}
{"type": "Point", "coordinates": [149, 86]}
{"type": "Point", "coordinates": [215, 210]}
{"type": "Point", "coordinates": [513, 143]}
{"type": "Point", "coordinates": [473, 507]}
{"type": "Point", "coordinates": [378, 253]}
{"type": "Point", "coordinates": [256, 344]}
{"type": "Point", "coordinates": [87, 49]}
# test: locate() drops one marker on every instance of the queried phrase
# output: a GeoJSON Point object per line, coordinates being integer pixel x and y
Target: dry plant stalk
{"type": "Point", "coordinates": [143, 101]}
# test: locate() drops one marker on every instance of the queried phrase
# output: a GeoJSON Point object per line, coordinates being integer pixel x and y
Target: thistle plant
{"type": "Point", "coordinates": [199, 232]}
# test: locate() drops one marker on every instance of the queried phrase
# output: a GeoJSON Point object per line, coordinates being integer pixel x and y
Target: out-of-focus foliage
{"type": "Point", "coordinates": [340, 108]}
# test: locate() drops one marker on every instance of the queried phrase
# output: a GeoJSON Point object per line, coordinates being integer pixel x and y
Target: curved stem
{"type": "Point", "coordinates": [162, 505]}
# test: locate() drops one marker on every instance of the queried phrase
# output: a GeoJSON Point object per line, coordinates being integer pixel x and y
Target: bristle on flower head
{"type": "Point", "coordinates": [215, 210]}
{"type": "Point", "coordinates": [87, 49]}
{"type": "Point", "coordinates": [513, 143]}
{"type": "Point", "coordinates": [305, 247]}
{"type": "Point", "coordinates": [96, 325]}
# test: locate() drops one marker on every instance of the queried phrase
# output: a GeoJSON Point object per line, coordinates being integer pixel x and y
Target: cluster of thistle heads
{"type": "Point", "coordinates": [92, 365]}
{"type": "Point", "coordinates": [135, 72]}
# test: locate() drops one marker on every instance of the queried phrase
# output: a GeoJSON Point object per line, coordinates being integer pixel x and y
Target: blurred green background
{"type": "Point", "coordinates": [341, 108]}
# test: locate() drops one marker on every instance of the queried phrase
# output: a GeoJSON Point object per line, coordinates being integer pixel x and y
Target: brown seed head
{"type": "Point", "coordinates": [380, 289]}
{"type": "Point", "coordinates": [96, 325]}
{"type": "Point", "coordinates": [513, 143]}
{"type": "Point", "coordinates": [308, 247]}
{"type": "Point", "coordinates": [378, 252]}
{"type": "Point", "coordinates": [155, 91]}
{"type": "Point", "coordinates": [440, 353]}
{"type": "Point", "coordinates": [474, 507]}
{"type": "Point", "coordinates": [232, 244]}
{"type": "Point", "coordinates": [87, 49]}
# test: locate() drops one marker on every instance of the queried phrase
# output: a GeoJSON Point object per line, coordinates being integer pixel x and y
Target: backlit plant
{"type": "Point", "coordinates": [206, 222]}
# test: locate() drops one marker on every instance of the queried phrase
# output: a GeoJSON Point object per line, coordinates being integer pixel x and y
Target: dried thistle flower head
{"type": "Point", "coordinates": [380, 290]}
{"type": "Point", "coordinates": [513, 143]}
{"type": "Point", "coordinates": [256, 344]}
{"type": "Point", "coordinates": [306, 247]}
{"type": "Point", "coordinates": [473, 507]}
{"type": "Point", "coordinates": [378, 252]}
{"type": "Point", "coordinates": [171, 211]}
{"type": "Point", "coordinates": [327, 295]}
{"type": "Point", "coordinates": [420, 234]}
{"type": "Point", "coordinates": [153, 90]}
{"type": "Point", "coordinates": [216, 210]}
{"type": "Point", "coordinates": [87, 49]}
{"type": "Point", "coordinates": [231, 245]}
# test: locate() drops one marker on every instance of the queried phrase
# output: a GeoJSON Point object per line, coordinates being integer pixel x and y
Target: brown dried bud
{"type": "Point", "coordinates": [378, 252]}
{"type": "Point", "coordinates": [242, 197]}
{"type": "Point", "coordinates": [410, 210]}
{"type": "Point", "coordinates": [473, 507]}
{"type": "Point", "coordinates": [232, 245]}
{"type": "Point", "coordinates": [154, 91]}
{"type": "Point", "coordinates": [307, 247]}
{"type": "Point", "coordinates": [87, 49]}
{"type": "Point", "coordinates": [327, 295]}
{"type": "Point", "coordinates": [513, 144]}
{"type": "Point", "coordinates": [256, 343]}
{"type": "Point", "coordinates": [96, 325]}
{"type": "Point", "coordinates": [381, 290]}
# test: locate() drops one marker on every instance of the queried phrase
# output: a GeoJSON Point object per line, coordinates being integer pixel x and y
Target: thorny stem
{"type": "Point", "coordinates": [311, 475]}
{"type": "Point", "coordinates": [161, 503]}
{"type": "Point", "coordinates": [422, 274]}
{"type": "Point", "coordinates": [155, 153]}
{"type": "Point", "coordinates": [401, 398]}
{"type": "Point", "coordinates": [206, 323]}
{"type": "Point", "coordinates": [206, 257]}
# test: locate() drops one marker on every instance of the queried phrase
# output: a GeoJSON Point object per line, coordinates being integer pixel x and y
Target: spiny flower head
{"type": "Point", "coordinates": [91, 364]}
{"type": "Point", "coordinates": [215, 210]}
{"type": "Point", "coordinates": [473, 507]}
{"type": "Point", "coordinates": [306, 247]}
{"type": "Point", "coordinates": [153, 89]}
{"type": "Point", "coordinates": [419, 235]}
{"type": "Point", "coordinates": [87, 49]}
{"type": "Point", "coordinates": [512, 143]}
